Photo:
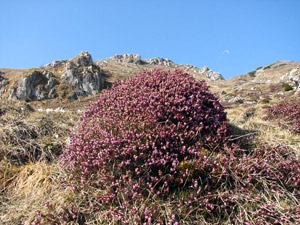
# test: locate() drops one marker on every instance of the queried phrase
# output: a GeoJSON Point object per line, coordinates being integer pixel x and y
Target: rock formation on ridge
{"type": "Point", "coordinates": [79, 75]}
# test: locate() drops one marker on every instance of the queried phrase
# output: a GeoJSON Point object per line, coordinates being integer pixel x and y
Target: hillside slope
{"type": "Point", "coordinates": [34, 133]}
{"type": "Point", "coordinates": [81, 76]}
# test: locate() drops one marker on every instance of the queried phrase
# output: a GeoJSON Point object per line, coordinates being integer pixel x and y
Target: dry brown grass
{"type": "Point", "coordinates": [253, 120]}
{"type": "Point", "coordinates": [29, 189]}
{"type": "Point", "coordinates": [35, 185]}
{"type": "Point", "coordinates": [28, 181]}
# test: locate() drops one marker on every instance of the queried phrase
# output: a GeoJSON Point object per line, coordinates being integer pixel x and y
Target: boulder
{"type": "Point", "coordinates": [236, 99]}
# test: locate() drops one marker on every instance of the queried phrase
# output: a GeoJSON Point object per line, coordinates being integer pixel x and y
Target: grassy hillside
{"type": "Point", "coordinates": [34, 188]}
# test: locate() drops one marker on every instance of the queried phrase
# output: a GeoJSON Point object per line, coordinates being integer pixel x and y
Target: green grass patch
{"type": "Point", "coordinates": [265, 101]}
{"type": "Point", "coordinates": [288, 87]}
{"type": "Point", "coordinates": [252, 73]}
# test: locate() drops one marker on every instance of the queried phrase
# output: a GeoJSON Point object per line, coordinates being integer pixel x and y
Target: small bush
{"type": "Point", "coordinates": [267, 67]}
{"type": "Point", "coordinates": [259, 68]}
{"type": "Point", "coordinates": [265, 101]}
{"type": "Point", "coordinates": [252, 73]}
{"type": "Point", "coordinates": [287, 114]}
{"type": "Point", "coordinates": [288, 87]}
{"type": "Point", "coordinates": [282, 64]}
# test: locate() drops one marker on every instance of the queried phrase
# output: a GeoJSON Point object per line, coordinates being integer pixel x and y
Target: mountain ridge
{"type": "Point", "coordinates": [82, 76]}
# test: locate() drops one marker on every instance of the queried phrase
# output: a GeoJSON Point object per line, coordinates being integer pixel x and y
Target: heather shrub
{"type": "Point", "coordinates": [155, 149]}
{"type": "Point", "coordinates": [257, 185]}
{"type": "Point", "coordinates": [287, 114]}
{"type": "Point", "coordinates": [139, 132]}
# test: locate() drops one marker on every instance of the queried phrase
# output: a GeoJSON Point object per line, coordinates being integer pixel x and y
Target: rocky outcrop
{"type": "Point", "coordinates": [295, 77]}
{"type": "Point", "coordinates": [84, 81]}
{"type": "Point", "coordinates": [3, 82]}
{"type": "Point", "coordinates": [211, 75]}
{"type": "Point", "coordinates": [159, 61]}
{"type": "Point", "coordinates": [83, 59]}
{"type": "Point", "coordinates": [292, 77]}
{"type": "Point", "coordinates": [56, 63]}
{"type": "Point", "coordinates": [199, 73]}
{"type": "Point", "coordinates": [236, 99]}
{"type": "Point", "coordinates": [80, 78]}
{"type": "Point", "coordinates": [136, 59]}
{"type": "Point", "coordinates": [35, 86]}
{"type": "Point", "coordinates": [127, 58]}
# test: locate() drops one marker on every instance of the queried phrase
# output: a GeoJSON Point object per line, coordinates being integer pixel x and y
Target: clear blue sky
{"type": "Point", "coordinates": [255, 32]}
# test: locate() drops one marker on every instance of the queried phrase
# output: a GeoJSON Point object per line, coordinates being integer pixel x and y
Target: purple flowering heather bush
{"type": "Point", "coordinates": [143, 129]}
{"type": "Point", "coordinates": [288, 115]}
{"type": "Point", "coordinates": [155, 149]}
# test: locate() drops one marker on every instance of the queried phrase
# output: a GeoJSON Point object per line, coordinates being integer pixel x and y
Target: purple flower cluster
{"type": "Point", "coordinates": [157, 148]}
{"type": "Point", "coordinates": [140, 131]}
{"type": "Point", "coordinates": [272, 166]}
{"type": "Point", "coordinates": [288, 115]}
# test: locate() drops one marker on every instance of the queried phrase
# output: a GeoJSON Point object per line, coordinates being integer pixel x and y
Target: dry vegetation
{"type": "Point", "coordinates": [32, 182]}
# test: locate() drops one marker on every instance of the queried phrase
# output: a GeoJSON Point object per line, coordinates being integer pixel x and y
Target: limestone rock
{"type": "Point", "coordinates": [36, 86]}
{"type": "Point", "coordinates": [70, 65]}
{"type": "Point", "coordinates": [56, 63]}
{"type": "Point", "coordinates": [83, 59]}
{"type": "Point", "coordinates": [211, 75]}
{"type": "Point", "coordinates": [199, 73]}
{"type": "Point", "coordinates": [295, 77]}
{"type": "Point", "coordinates": [159, 61]}
{"type": "Point", "coordinates": [236, 99]}
{"type": "Point", "coordinates": [127, 58]}
{"type": "Point", "coordinates": [3, 82]}
{"type": "Point", "coordinates": [81, 76]}
{"type": "Point", "coordinates": [84, 81]}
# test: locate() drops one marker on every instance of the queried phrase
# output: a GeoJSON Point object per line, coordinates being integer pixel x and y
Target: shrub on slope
{"type": "Point", "coordinates": [155, 150]}
{"type": "Point", "coordinates": [287, 114]}
{"type": "Point", "coordinates": [143, 129]}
